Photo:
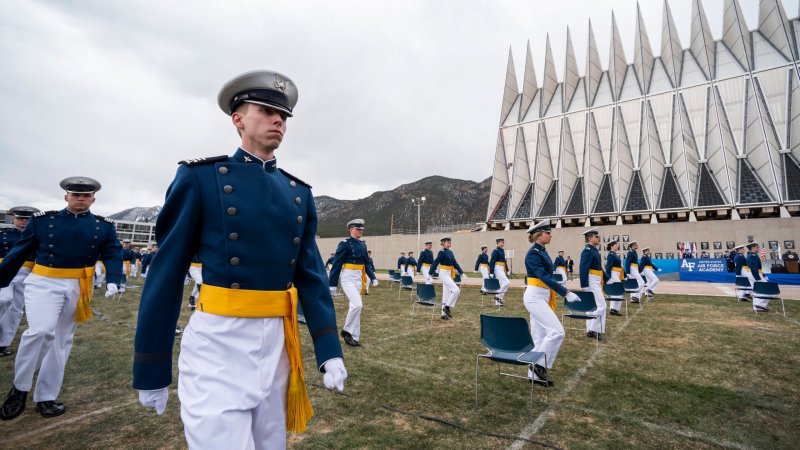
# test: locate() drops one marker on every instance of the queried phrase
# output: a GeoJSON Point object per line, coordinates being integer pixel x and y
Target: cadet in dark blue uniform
{"type": "Point", "coordinates": [58, 291]}
{"type": "Point", "coordinates": [371, 265]}
{"type": "Point", "coordinates": [12, 298]}
{"type": "Point", "coordinates": [329, 263]}
{"type": "Point", "coordinates": [401, 262]}
{"type": "Point", "coordinates": [425, 261]}
{"type": "Point", "coordinates": [446, 262]}
{"type": "Point", "coordinates": [482, 263]}
{"type": "Point", "coordinates": [128, 259]}
{"type": "Point", "coordinates": [539, 300]}
{"type": "Point", "coordinates": [498, 269]}
{"type": "Point", "coordinates": [253, 227]}
{"type": "Point", "coordinates": [649, 271]}
{"type": "Point", "coordinates": [741, 270]}
{"type": "Point", "coordinates": [632, 269]}
{"type": "Point", "coordinates": [757, 274]}
{"type": "Point", "coordinates": [614, 273]}
{"type": "Point", "coordinates": [411, 265]}
{"type": "Point", "coordinates": [591, 275]}
{"type": "Point", "coordinates": [350, 261]}
{"type": "Point", "coordinates": [561, 267]}
{"type": "Point", "coordinates": [147, 259]}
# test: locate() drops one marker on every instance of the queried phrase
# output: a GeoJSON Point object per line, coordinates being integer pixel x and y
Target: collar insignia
{"type": "Point", "coordinates": [247, 159]}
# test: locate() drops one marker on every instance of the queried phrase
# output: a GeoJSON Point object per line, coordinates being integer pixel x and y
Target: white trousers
{"type": "Point", "coordinates": [12, 302]}
{"type": "Point", "coordinates": [426, 272]}
{"type": "Point", "coordinates": [196, 273]}
{"type": "Point", "coordinates": [596, 287]}
{"type": "Point", "coordinates": [652, 279]}
{"type": "Point", "coordinates": [134, 269]}
{"type": "Point", "coordinates": [232, 383]}
{"type": "Point", "coordinates": [412, 270]}
{"type": "Point", "coordinates": [762, 302]}
{"type": "Point", "coordinates": [50, 305]}
{"type": "Point", "coordinates": [500, 274]}
{"type": "Point", "coordinates": [450, 290]}
{"type": "Point", "coordinates": [99, 274]}
{"type": "Point", "coordinates": [351, 285]}
{"type": "Point", "coordinates": [546, 330]}
{"type": "Point", "coordinates": [563, 275]}
{"type": "Point", "coordinates": [484, 270]}
{"type": "Point", "coordinates": [615, 304]}
{"type": "Point", "coordinates": [639, 281]}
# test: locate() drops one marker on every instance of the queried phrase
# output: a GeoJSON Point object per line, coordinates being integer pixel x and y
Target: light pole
{"type": "Point", "coordinates": [418, 202]}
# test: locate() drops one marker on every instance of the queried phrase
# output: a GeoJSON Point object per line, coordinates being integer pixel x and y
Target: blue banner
{"type": "Point", "coordinates": [703, 265]}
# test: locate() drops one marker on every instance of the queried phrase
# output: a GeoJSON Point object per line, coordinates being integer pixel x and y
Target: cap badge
{"type": "Point", "coordinates": [281, 85]}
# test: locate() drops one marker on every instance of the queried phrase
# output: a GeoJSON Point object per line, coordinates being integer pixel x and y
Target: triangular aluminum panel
{"type": "Point", "coordinates": [696, 107]}
{"type": "Point", "coordinates": [521, 175]}
{"type": "Point", "coordinates": [652, 145]}
{"type": "Point", "coordinates": [576, 205]}
{"type": "Point", "coordinates": [773, 84]}
{"type": "Point", "coordinates": [732, 95]}
{"type": "Point", "coordinates": [571, 75]}
{"type": "Point", "coordinates": [511, 89]}
{"type": "Point", "coordinates": [544, 169]}
{"type": "Point", "coordinates": [701, 43]}
{"type": "Point", "coordinates": [510, 147]}
{"type": "Point", "coordinates": [727, 65]}
{"type": "Point", "coordinates": [513, 115]}
{"type": "Point", "coordinates": [630, 87]}
{"type": "Point", "coordinates": [605, 198]}
{"type": "Point", "coordinates": [692, 74]}
{"type": "Point", "coordinates": [550, 80]}
{"type": "Point", "coordinates": [594, 167]}
{"type": "Point", "coordinates": [617, 64]}
{"type": "Point", "coordinates": [708, 192]}
{"type": "Point", "coordinates": [622, 165]}
{"type": "Point", "coordinates": [531, 132]}
{"type": "Point", "coordinates": [735, 34]}
{"type": "Point", "coordinates": [594, 70]}
{"type": "Point", "coordinates": [555, 108]}
{"type": "Point", "coordinates": [533, 110]}
{"type": "Point", "coordinates": [630, 112]}
{"type": "Point", "coordinates": [685, 149]}
{"type": "Point", "coordinates": [577, 128]}
{"type": "Point", "coordinates": [774, 27]}
{"type": "Point", "coordinates": [720, 149]}
{"type": "Point", "coordinates": [760, 140]}
{"type": "Point", "coordinates": [765, 55]}
{"type": "Point", "coordinates": [661, 106]}
{"type": "Point", "coordinates": [604, 121]}
{"type": "Point", "coordinates": [642, 53]}
{"type": "Point", "coordinates": [500, 180]}
{"type": "Point", "coordinates": [529, 84]}
{"type": "Point", "coordinates": [671, 48]}
{"type": "Point", "coordinates": [794, 115]}
{"type": "Point", "coordinates": [579, 99]}
{"type": "Point", "coordinates": [569, 164]}
{"type": "Point", "coordinates": [553, 127]}
{"type": "Point", "coordinates": [603, 96]}
{"type": "Point", "coordinates": [660, 82]}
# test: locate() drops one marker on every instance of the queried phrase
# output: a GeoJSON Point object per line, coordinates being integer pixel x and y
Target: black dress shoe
{"type": "Point", "coordinates": [14, 404]}
{"type": "Point", "coordinates": [591, 334]}
{"type": "Point", "coordinates": [444, 317]}
{"type": "Point", "coordinates": [50, 408]}
{"type": "Point", "coordinates": [447, 312]}
{"type": "Point", "coordinates": [760, 308]}
{"type": "Point", "coordinates": [634, 300]}
{"type": "Point", "coordinates": [614, 312]}
{"type": "Point", "coordinates": [4, 352]}
{"type": "Point", "coordinates": [540, 372]}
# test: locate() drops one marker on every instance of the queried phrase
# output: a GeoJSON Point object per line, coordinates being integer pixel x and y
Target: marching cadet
{"type": "Point", "coordinates": [649, 271]}
{"type": "Point", "coordinates": [329, 264]}
{"type": "Point", "coordinates": [371, 265]}
{"type": "Point", "coordinates": [128, 259]}
{"type": "Point", "coordinates": [401, 262]}
{"type": "Point", "coordinates": [539, 299]}
{"type": "Point", "coordinates": [58, 291]}
{"type": "Point", "coordinates": [591, 275]}
{"type": "Point", "coordinates": [448, 266]}
{"type": "Point", "coordinates": [151, 254]}
{"type": "Point", "coordinates": [561, 267]}
{"type": "Point", "coordinates": [632, 269]}
{"type": "Point", "coordinates": [482, 263]}
{"type": "Point", "coordinates": [756, 274]}
{"type": "Point", "coordinates": [614, 273]}
{"type": "Point", "coordinates": [411, 265]}
{"type": "Point", "coordinates": [196, 274]}
{"type": "Point", "coordinates": [12, 298]}
{"type": "Point", "coordinates": [351, 262]}
{"type": "Point", "coordinates": [497, 269]}
{"type": "Point", "coordinates": [741, 269]}
{"type": "Point", "coordinates": [137, 256]}
{"type": "Point", "coordinates": [240, 364]}
{"type": "Point", "coordinates": [425, 261]}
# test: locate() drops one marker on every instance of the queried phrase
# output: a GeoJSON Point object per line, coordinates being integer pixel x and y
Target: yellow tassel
{"type": "Point", "coordinates": [298, 406]}
{"type": "Point", "coordinates": [552, 300]}
{"type": "Point", "coordinates": [83, 311]}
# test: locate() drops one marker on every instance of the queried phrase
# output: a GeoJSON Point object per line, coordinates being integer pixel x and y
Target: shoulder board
{"type": "Point", "coordinates": [44, 213]}
{"type": "Point", "coordinates": [200, 161]}
{"type": "Point", "coordinates": [104, 218]}
{"type": "Point", "coordinates": [292, 177]}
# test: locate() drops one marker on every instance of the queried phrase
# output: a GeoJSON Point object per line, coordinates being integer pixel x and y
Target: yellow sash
{"type": "Point", "coordinates": [620, 272]}
{"type": "Point", "coordinates": [562, 268]}
{"type": "Point", "coordinates": [425, 265]}
{"type": "Point", "coordinates": [539, 283]}
{"type": "Point", "coordinates": [648, 267]}
{"type": "Point", "coordinates": [126, 268]}
{"type": "Point", "coordinates": [635, 264]}
{"type": "Point", "coordinates": [249, 303]}
{"type": "Point", "coordinates": [28, 264]}
{"type": "Point", "coordinates": [500, 263]}
{"type": "Point", "coordinates": [451, 269]}
{"type": "Point", "coordinates": [363, 274]}
{"type": "Point", "coordinates": [194, 264]}
{"type": "Point", "coordinates": [484, 265]}
{"type": "Point", "coordinates": [83, 312]}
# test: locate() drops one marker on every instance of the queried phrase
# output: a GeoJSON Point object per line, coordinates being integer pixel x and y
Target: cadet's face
{"type": "Point", "coordinates": [428, 246]}
{"type": "Point", "coordinates": [356, 232]}
{"type": "Point", "coordinates": [545, 238]}
{"type": "Point", "coordinates": [80, 202]}
{"type": "Point", "coordinates": [262, 127]}
{"type": "Point", "coordinates": [20, 222]}
{"type": "Point", "coordinates": [595, 239]}
{"type": "Point", "coordinates": [447, 244]}
{"type": "Point", "coordinates": [501, 244]}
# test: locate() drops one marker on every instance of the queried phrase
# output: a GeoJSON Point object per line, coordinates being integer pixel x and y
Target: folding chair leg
{"type": "Point", "coordinates": [477, 361]}
{"type": "Point", "coordinates": [783, 307]}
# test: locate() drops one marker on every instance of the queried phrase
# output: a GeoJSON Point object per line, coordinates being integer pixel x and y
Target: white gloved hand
{"type": "Point", "coordinates": [508, 272]}
{"type": "Point", "coordinates": [333, 291]}
{"type": "Point", "coordinates": [375, 282]}
{"type": "Point", "coordinates": [464, 276]}
{"type": "Point", "coordinates": [428, 278]}
{"type": "Point", "coordinates": [335, 374]}
{"type": "Point", "coordinates": [491, 275]}
{"type": "Point", "coordinates": [572, 297]}
{"type": "Point", "coordinates": [157, 398]}
{"type": "Point", "coordinates": [111, 289]}
{"type": "Point", "coordinates": [610, 281]}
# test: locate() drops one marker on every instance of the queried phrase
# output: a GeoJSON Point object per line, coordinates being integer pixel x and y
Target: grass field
{"type": "Point", "coordinates": [681, 372]}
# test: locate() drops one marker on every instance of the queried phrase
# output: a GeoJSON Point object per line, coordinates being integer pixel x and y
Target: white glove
{"type": "Point", "coordinates": [157, 398]}
{"type": "Point", "coordinates": [335, 374]}
{"type": "Point", "coordinates": [111, 289]}
{"type": "Point", "coordinates": [508, 272]}
{"type": "Point", "coordinates": [427, 278]}
{"type": "Point", "coordinates": [375, 282]}
{"type": "Point", "coordinates": [333, 291]}
{"type": "Point", "coordinates": [491, 275]}
{"type": "Point", "coordinates": [572, 297]}
{"type": "Point", "coordinates": [610, 281]}
{"type": "Point", "coordinates": [464, 276]}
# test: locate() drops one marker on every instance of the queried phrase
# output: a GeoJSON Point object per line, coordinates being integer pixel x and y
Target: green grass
{"type": "Point", "coordinates": [681, 372]}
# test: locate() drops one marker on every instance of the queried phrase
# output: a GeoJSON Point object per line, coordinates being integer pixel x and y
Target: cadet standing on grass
{"type": "Point", "coordinates": [539, 298]}
{"type": "Point", "coordinates": [241, 382]}
{"type": "Point", "coordinates": [425, 261]}
{"type": "Point", "coordinates": [591, 275]}
{"type": "Point", "coordinates": [12, 298]}
{"type": "Point", "coordinates": [58, 291]}
{"type": "Point", "coordinates": [561, 267]}
{"type": "Point", "coordinates": [411, 265]}
{"type": "Point", "coordinates": [632, 269]}
{"type": "Point", "coordinates": [741, 270]}
{"type": "Point", "coordinates": [448, 267]}
{"type": "Point", "coordinates": [498, 269]}
{"type": "Point", "coordinates": [614, 273]}
{"type": "Point", "coordinates": [351, 262]}
{"type": "Point", "coordinates": [649, 271]}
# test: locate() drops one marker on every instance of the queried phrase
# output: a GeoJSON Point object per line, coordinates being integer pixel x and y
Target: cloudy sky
{"type": "Point", "coordinates": [390, 91]}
